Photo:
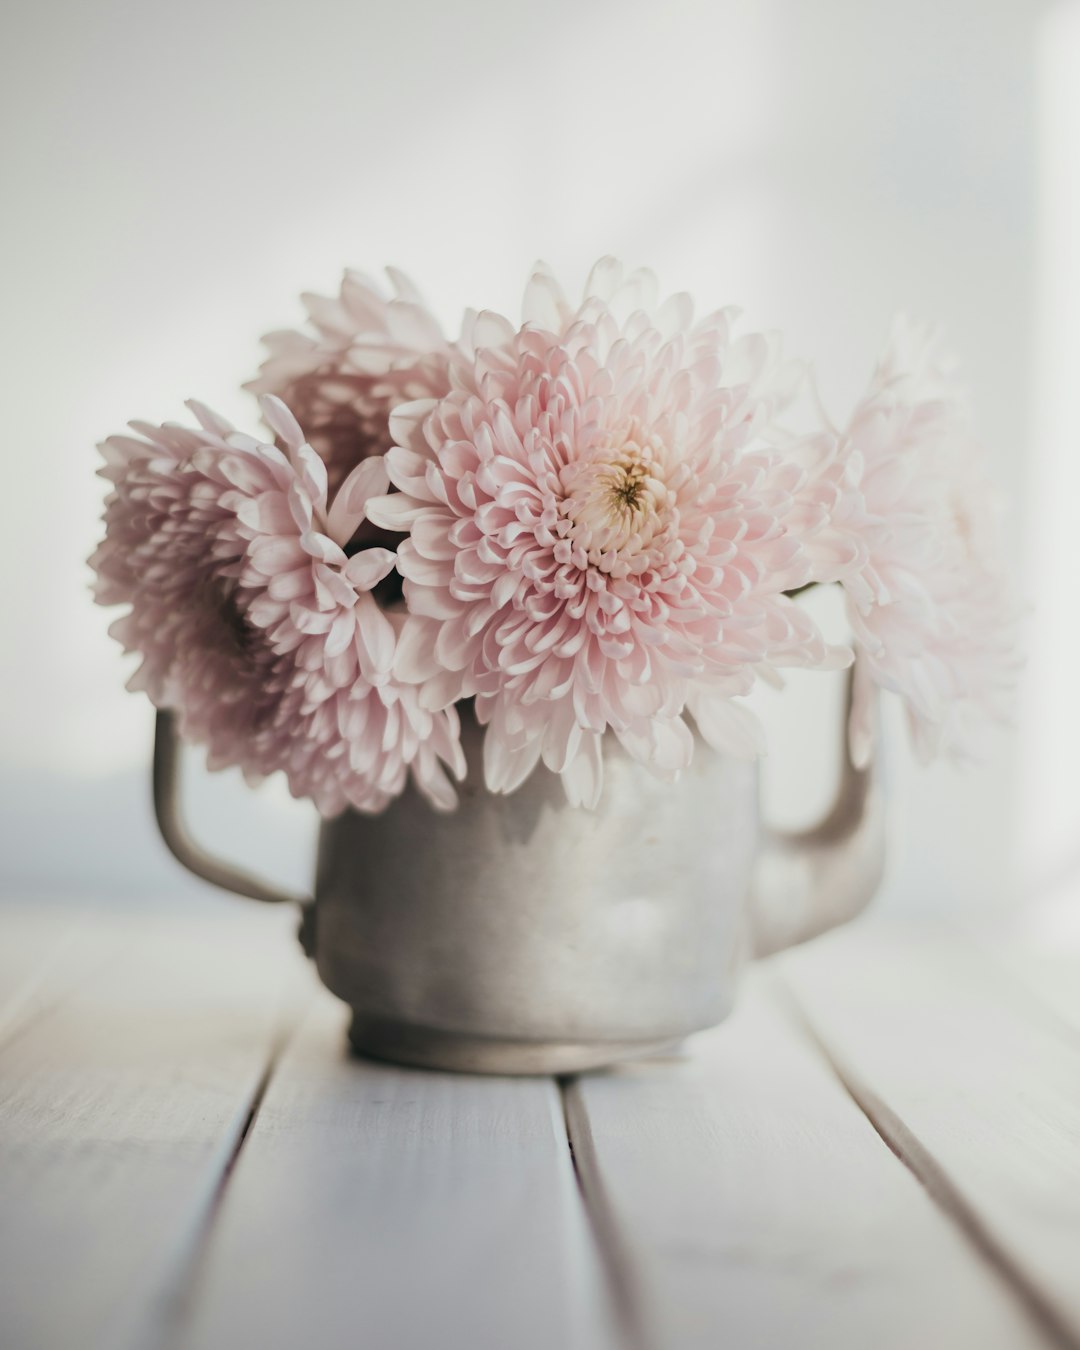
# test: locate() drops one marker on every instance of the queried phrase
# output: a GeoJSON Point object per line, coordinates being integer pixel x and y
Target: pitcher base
{"type": "Point", "coordinates": [429, 1048]}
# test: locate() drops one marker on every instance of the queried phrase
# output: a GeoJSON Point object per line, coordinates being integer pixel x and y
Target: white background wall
{"type": "Point", "coordinates": [176, 174]}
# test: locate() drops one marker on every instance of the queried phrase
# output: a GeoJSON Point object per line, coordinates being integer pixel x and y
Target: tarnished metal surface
{"type": "Point", "coordinates": [518, 934]}
{"type": "Point", "coordinates": [521, 919]}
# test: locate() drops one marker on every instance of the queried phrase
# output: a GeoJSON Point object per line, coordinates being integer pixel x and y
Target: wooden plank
{"type": "Point", "coordinates": [49, 948]}
{"type": "Point", "coordinates": [39, 959]}
{"type": "Point", "coordinates": [28, 935]}
{"type": "Point", "coordinates": [1050, 974]}
{"type": "Point", "coordinates": [383, 1207]}
{"type": "Point", "coordinates": [119, 1111]}
{"type": "Point", "coordinates": [976, 1085]}
{"type": "Point", "coordinates": [750, 1203]}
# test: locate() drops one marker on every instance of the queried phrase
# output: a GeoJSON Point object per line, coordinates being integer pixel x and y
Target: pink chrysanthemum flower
{"type": "Point", "coordinates": [600, 533]}
{"type": "Point", "coordinates": [367, 353]}
{"type": "Point", "coordinates": [252, 622]}
{"type": "Point", "coordinates": [932, 608]}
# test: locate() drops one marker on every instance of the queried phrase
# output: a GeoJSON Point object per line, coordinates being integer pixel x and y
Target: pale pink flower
{"type": "Point", "coordinates": [933, 608]}
{"type": "Point", "coordinates": [600, 533]}
{"type": "Point", "coordinates": [252, 622]}
{"type": "Point", "coordinates": [366, 353]}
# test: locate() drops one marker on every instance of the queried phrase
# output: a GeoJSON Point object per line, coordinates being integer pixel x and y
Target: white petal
{"type": "Point", "coordinates": [583, 778]}
{"type": "Point", "coordinates": [281, 421]}
{"type": "Point", "coordinates": [369, 479]}
{"type": "Point", "coordinates": [491, 329]}
{"type": "Point", "coordinates": [340, 634]}
{"type": "Point", "coordinates": [322, 548]}
{"type": "Point", "coordinates": [432, 781]}
{"type": "Point", "coordinates": [728, 726]}
{"type": "Point", "coordinates": [404, 285]}
{"type": "Point", "coordinates": [507, 767]}
{"type": "Point", "coordinates": [312, 471]}
{"type": "Point", "coordinates": [665, 747]}
{"type": "Point", "coordinates": [407, 424]}
{"type": "Point", "coordinates": [368, 567]}
{"type": "Point", "coordinates": [604, 279]}
{"type": "Point", "coordinates": [210, 420]}
{"type": "Point", "coordinates": [676, 314]}
{"type": "Point", "coordinates": [561, 739]}
{"type": "Point", "coordinates": [268, 513]}
{"type": "Point", "coordinates": [414, 660]}
{"type": "Point", "coordinates": [375, 637]}
{"type": "Point", "coordinates": [544, 303]}
{"type": "Point", "coordinates": [443, 690]}
{"type": "Point", "coordinates": [422, 570]}
{"type": "Point", "coordinates": [413, 326]}
{"type": "Point", "coordinates": [396, 511]}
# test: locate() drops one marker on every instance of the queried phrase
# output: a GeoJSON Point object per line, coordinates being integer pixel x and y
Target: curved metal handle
{"type": "Point", "coordinates": [809, 881]}
{"type": "Point", "coordinates": [179, 842]}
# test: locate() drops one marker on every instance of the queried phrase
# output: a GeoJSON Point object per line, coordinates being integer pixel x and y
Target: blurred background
{"type": "Point", "coordinates": [176, 175]}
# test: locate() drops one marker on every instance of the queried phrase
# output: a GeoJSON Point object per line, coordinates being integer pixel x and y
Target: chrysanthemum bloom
{"type": "Point", "coordinates": [252, 622]}
{"type": "Point", "coordinates": [933, 608]}
{"type": "Point", "coordinates": [367, 353]}
{"type": "Point", "coordinates": [599, 534]}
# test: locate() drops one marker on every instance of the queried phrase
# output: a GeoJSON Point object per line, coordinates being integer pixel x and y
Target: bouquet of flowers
{"type": "Point", "coordinates": [596, 521]}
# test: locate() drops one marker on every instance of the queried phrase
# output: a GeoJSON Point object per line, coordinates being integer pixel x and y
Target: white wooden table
{"type": "Point", "coordinates": [880, 1149]}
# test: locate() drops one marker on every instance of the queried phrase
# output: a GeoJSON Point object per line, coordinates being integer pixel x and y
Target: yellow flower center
{"type": "Point", "coordinates": [616, 497]}
{"type": "Point", "coordinates": [627, 488]}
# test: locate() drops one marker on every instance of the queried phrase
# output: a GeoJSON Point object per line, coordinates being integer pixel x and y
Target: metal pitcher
{"type": "Point", "coordinates": [521, 935]}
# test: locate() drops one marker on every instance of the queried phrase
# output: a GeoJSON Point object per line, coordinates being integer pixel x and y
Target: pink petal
{"type": "Point", "coordinates": [414, 659]}
{"type": "Point", "coordinates": [396, 512]}
{"type": "Point", "coordinates": [369, 479]}
{"type": "Point", "coordinates": [583, 778]}
{"type": "Point", "coordinates": [507, 767]}
{"type": "Point", "coordinates": [281, 421]}
{"type": "Point", "coordinates": [407, 423]}
{"type": "Point", "coordinates": [368, 567]}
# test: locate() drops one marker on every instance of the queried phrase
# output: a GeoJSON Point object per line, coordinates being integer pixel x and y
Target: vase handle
{"type": "Point", "coordinates": [174, 832]}
{"type": "Point", "coordinates": [809, 881]}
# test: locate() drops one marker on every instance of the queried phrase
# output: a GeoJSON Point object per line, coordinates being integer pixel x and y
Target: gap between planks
{"type": "Point", "coordinates": [623, 1289]}
{"type": "Point", "coordinates": [765, 1246]}
{"type": "Point", "coordinates": [907, 1148]}
{"type": "Point", "coordinates": [165, 1275]}
{"type": "Point", "coordinates": [157, 1324]}
{"type": "Point", "coordinates": [398, 1207]}
{"type": "Point", "coordinates": [127, 1087]}
{"type": "Point", "coordinates": [180, 1272]}
{"type": "Point", "coordinates": [969, 1071]}
{"type": "Point", "coordinates": [615, 1259]}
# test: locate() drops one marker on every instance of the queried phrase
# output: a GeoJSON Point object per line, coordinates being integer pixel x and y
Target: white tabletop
{"type": "Point", "coordinates": [880, 1148]}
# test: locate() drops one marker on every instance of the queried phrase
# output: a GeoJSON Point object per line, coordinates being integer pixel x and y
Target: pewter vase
{"type": "Point", "coordinates": [520, 935]}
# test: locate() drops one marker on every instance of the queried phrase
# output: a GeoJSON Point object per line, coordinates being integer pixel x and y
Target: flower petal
{"type": "Point", "coordinates": [368, 567]}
